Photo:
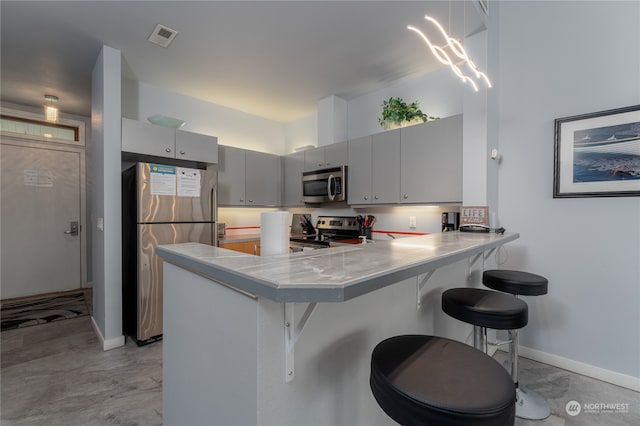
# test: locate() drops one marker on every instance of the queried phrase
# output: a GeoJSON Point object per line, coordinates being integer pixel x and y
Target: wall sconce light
{"type": "Point", "coordinates": [458, 52]}
{"type": "Point", "coordinates": [50, 108]}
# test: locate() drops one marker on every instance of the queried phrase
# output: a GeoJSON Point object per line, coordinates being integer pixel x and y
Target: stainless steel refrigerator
{"type": "Point", "coordinates": [161, 204]}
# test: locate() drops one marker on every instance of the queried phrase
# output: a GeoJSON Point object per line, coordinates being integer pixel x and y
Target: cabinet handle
{"type": "Point", "coordinates": [366, 198]}
{"type": "Point", "coordinates": [405, 196]}
{"type": "Point", "coordinates": [182, 152]}
{"type": "Point", "coordinates": [167, 150]}
{"type": "Point", "coordinates": [375, 197]}
{"type": "Point", "coordinates": [242, 200]}
{"type": "Point", "coordinates": [251, 201]}
{"type": "Point", "coordinates": [319, 164]}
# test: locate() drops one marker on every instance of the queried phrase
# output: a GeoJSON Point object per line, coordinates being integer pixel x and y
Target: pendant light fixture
{"type": "Point", "coordinates": [51, 108]}
{"type": "Point", "coordinates": [452, 53]}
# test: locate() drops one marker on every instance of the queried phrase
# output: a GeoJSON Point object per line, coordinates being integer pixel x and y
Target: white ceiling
{"type": "Point", "coordinates": [272, 59]}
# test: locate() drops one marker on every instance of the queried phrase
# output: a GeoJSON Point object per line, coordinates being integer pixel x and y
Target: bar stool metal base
{"type": "Point", "coordinates": [531, 406]}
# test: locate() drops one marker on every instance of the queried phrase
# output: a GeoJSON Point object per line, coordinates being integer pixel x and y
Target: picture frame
{"type": "Point", "coordinates": [598, 154]}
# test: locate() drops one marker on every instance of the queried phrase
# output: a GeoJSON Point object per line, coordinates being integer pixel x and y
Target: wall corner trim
{"type": "Point", "coordinates": [106, 344]}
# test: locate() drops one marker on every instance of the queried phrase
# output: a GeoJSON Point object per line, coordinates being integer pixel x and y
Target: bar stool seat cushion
{"type": "Point", "coordinates": [485, 308]}
{"type": "Point", "coordinates": [515, 282]}
{"type": "Point", "coordinates": [426, 380]}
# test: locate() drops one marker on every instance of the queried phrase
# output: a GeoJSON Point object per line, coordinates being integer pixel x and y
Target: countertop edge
{"type": "Point", "coordinates": [327, 293]}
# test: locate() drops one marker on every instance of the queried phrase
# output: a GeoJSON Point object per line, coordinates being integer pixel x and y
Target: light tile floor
{"type": "Point", "coordinates": [56, 374]}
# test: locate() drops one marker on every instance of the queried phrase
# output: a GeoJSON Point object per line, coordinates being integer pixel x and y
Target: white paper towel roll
{"type": "Point", "coordinates": [274, 233]}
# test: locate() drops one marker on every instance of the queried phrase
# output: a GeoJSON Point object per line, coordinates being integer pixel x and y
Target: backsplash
{"type": "Point", "coordinates": [389, 219]}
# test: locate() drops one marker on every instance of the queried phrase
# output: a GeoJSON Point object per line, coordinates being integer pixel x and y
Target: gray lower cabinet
{"type": "Point", "coordinates": [431, 159]}
{"type": "Point", "coordinates": [292, 168]}
{"type": "Point", "coordinates": [248, 178]}
{"type": "Point", "coordinates": [374, 169]}
{"type": "Point", "coordinates": [149, 139]}
{"type": "Point", "coordinates": [333, 155]}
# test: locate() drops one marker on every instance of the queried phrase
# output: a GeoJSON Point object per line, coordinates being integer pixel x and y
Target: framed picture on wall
{"type": "Point", "coordinates": [598, 154]}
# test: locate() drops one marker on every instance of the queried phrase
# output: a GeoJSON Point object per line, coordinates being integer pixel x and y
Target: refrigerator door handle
{"type": "Point", "coordinates": [214, 211]}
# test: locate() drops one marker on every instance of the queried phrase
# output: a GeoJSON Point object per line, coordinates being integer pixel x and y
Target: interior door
{"type": "Point", "coordinates": [40, 201]}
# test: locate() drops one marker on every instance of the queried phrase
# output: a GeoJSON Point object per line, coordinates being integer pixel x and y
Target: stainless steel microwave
{"type": "Point", "coordinates": [325, 185]}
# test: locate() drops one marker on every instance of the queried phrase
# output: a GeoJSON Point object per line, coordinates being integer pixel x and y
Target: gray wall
{"type": "Point", "coordinates": [559, 59]}
{"type": "Point", "coordinates": [106, 200]}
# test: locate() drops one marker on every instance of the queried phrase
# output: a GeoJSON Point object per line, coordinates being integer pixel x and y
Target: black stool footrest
{"type": "Point", "coordinates": [485, 308]}
{"type": "Point", "coordinates": [426, 380]}
{"type": "Point", "coordinates": [515, 282]}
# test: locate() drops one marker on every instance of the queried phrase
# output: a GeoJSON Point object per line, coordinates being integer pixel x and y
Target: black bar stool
{"type": "Point", "coordinates": [485, 309]}
{"type": "Point", "coordinates": [427, 380]}
{"type": "Point", "coordinates": [529, 404]}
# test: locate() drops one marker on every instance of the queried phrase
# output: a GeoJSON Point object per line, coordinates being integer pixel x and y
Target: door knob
{"type": "Point", "coordinates": [73, 229]}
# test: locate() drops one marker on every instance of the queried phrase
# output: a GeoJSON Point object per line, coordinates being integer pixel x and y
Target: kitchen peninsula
{"type": "Point", "coordinates": [234, 352]}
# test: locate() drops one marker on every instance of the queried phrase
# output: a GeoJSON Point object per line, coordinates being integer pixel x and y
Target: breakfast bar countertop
{"type": "Point", "coordinates": [331, 275]}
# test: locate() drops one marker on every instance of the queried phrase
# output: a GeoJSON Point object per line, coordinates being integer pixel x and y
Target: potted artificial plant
{"type": "Point", "coordinates": [397, 113]}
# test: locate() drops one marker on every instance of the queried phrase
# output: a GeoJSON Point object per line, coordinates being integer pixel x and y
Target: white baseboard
{"type": "Point", "coordinates": [107, 344]}
{"type": "Point", "coordinates": [613, 377]}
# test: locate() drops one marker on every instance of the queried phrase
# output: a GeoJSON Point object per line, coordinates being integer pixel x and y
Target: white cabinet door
{"type": "Point", "coordinates": [359, 171]}
{"type": "Point", "coordinates": [313, 159]}
{"type": "Point", "coordinates": [323, 157]}
{"type": "Point", "coordinates": [293, 166]}
{"type": "Point", "coordinates": [262, 173]}
{"type": "Point", "coordinates": [432, 162]}
{"type": "Point", "coordinates": [231, 179]}
{"type": "Point", "coordinates": [385, 167]}
{"type": "Point", "coordinates": [146, 138]}
{"type": "Point", "coordinates": [196, 147]}
{"type": "Point", "coordinates": [336, 154]}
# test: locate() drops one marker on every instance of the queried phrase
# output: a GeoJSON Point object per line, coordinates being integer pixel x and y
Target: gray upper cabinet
{"type": "Point", "coordinates": [333, 155]}
{"type": "Point", "coordinates": [196, 147]}
{"type": "Point", "coordinates": [385, 167]}
{"type": "Point", "coordinates": [248, 178]}
{"type": "Point", "coordinates": [262, 179]}
{"type": "Point", "coordinates": [431, 159]}
{"type": "Point", "coordinates": [359, 172]}
{"type": "Point", "coordinates": [374, 169]}
{"type": "Point", "coordinates": [231, 180]}
{"type": "Point", "coordinates": [149, 139]}
{"type": "Point", "coordinates": [292, 166]}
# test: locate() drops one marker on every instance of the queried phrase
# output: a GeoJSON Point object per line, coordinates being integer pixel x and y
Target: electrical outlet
{"type": "Point", "coordinates": [412, 222]}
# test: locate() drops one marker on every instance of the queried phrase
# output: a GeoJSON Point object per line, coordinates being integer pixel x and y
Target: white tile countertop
{"type": "Point", "coordinates": [330, 275]}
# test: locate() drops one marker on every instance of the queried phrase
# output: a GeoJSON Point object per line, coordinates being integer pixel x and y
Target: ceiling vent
{"type": "Point", "coordinates": [162, 36]}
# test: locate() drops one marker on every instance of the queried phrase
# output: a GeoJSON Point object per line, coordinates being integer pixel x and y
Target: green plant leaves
{"type": "Point", "coordinates": [395, 111]}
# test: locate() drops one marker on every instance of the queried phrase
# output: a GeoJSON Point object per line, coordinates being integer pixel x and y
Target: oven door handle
{"type": "Point", "coordinates": [331, 194]}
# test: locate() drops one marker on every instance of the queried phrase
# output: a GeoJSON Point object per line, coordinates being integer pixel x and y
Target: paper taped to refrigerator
{"type": "Point", "coordinates": [163, 180]}
{"type": "Point", "coordinates": [188, 182]}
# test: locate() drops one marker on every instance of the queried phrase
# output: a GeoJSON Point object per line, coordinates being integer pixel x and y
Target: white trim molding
{"type": "Point", "coordinates": [613, 377]}
{"type": "Point", "coordinates": [106, 344]}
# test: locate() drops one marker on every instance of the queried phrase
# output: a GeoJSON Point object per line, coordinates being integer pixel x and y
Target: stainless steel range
{"type": "Point", "coordinates": [336, 228]}
{"type": "Point", "coordinates": [329, 229]}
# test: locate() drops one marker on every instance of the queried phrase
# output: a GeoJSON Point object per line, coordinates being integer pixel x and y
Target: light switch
{"type": "Point", "coordinates": [100, 224]}
{"type": "Point", "coordinates": [412, 222]}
